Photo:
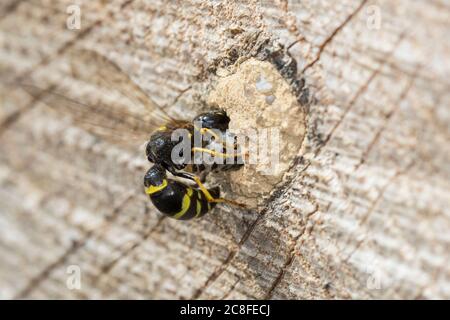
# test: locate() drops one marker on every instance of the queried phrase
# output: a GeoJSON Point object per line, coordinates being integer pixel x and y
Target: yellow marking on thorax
{"type": "Point", "coordinates": [154, 189]}
{"type": "Point", "coordinates": [185, 204]}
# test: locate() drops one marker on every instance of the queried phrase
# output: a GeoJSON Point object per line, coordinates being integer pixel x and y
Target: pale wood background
{"type": "Point", "coordinates": [363, 213]}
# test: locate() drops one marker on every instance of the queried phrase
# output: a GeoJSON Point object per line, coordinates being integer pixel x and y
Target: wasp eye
{"type": "Point", "coordinates": [150, 157]}
{"type": "Point", "coordinates": [149, 153]}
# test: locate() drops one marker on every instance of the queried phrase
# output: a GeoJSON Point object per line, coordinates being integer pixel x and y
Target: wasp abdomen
{"type": "Point", "coordinates": [175, 199]}
{"type": "Point", "coordinates": [182, 202]}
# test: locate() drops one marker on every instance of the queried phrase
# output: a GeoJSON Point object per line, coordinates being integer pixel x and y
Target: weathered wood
{"type": "Point", "coordinates": [362, 213]}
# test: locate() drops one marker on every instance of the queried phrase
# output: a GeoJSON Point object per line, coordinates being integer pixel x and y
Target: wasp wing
{"type": "Point", "coordinates": [135, 120]}
{"type": "Point", "coordinates": [94, 68]}
{"type": "Point", "coordinates": [100, 119]}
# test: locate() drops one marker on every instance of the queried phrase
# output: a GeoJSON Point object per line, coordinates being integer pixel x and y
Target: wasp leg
{"type": "Point", "coordinates": [215, 153]}
{"type": "Point", "coordinates": [217, 138]}
{"type": "Point", "coordinates": [210, 198]}
{"type": "Point", "coordinates": [205, 191]}
{"type": "Point", "coordinates": [203, 175]}
{"type": "Point", "coordinates": [222, 155]}
{"type": "Point", "coordinates": [181, 174]}
{"type": "Point", "coordinates": [211, 132]}
{"type": "Point", "coordinates": [190, 176]}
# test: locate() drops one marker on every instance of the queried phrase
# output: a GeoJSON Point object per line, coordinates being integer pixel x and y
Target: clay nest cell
{"type": "Point", "coordinates": [258, 99]}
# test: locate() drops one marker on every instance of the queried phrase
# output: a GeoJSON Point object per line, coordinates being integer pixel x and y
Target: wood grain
{"type": "Point", "coordinates": [362, 213]}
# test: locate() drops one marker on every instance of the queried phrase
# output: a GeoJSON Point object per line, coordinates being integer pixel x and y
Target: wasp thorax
{"type": "Point", "coordinates": [216, 119]}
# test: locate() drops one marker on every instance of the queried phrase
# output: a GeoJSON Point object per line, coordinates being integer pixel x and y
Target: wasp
{"type": "Point", "coordinates": [176, 199]}
{"type": "Point", "coordinates": [170, 196]}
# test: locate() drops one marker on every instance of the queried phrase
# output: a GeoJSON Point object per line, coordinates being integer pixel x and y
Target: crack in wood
{"type": "Point", "coordinates": [333, 34]}
{"type": "Point", "coordinates": [45, 61]}
{"type": "Point", "coordinates": [291, 254]}
{"type": "Point", "coordinates": [10, 8]}
{"type": "Point", "coordinates": [216, 274]}
{"type": "Point", "coordinates": [375, 205]}
{"type": "Point", "coordinates": [14, 116]}
{"type": "Point", "coordinates": [45, 273]}
{"type": "Point", "coordinates": [227, 294]}
{"type": "Point", "coordinates": [77, 244]}
{"type": "Point", "coordinates": [402, 96]}
{"type": "Point", "coordinates": [106, 268]}
{"type": "Point", "coordinates": [362, 89]}
{"type": "Point", "coordinates": [359, 93]}
{"type": "Point", "coordinates": [385, 123]}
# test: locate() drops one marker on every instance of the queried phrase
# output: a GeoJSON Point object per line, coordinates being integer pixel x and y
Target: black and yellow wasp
{"type": "Point", "coordinates": [170, 196]}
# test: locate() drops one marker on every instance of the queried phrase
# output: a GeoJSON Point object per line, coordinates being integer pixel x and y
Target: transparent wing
{"type": "Point", "coordinates": [91, 67]}
{"type": "Point", "coordinates": [100, 119]}
{"type": "Point", "coordinates": [113, 120]}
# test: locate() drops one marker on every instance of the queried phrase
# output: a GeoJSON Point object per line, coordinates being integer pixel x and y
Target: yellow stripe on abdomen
{"type": "Point", "coordinates": [153, 189]}
{"type": "Point", "coordinates": [199, 209]}
{"type": "Point", "coordinates": [185, 204]}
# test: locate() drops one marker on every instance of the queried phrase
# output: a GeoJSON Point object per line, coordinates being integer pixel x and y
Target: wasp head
{"type": "Point", "coordinates": [150, 153]}
{"type": "Point", "coordinates": [159, 151]}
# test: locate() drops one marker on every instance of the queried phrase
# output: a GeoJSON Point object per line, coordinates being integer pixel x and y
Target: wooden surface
{"type": "Point", "coordinates": [362, 213]}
